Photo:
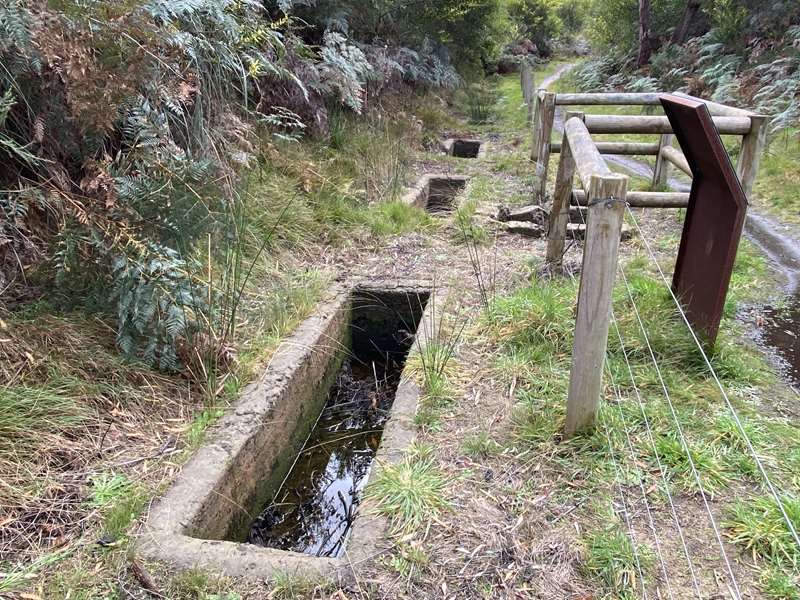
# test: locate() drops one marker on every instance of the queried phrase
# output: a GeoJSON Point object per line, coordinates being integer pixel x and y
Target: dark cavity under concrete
{"type": "Point", "coordinates": [206, 515]}
{"type": "Point", "coordinates": [437, 194]}
{"type": "Point", "coordinates": [463, 148]}
{"type": "Point", "coordinates": [314, 510]}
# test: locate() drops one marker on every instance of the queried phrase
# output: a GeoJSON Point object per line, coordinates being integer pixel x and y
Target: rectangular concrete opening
{"type": "Point", "coordinates": [436, 193]}
{"type": "Point", "coordinates": [466, 148]}
{"type": "Point", "coordinates": [313, 509]}
{"type": "Point", "coordinates": [442, 193]}
{"type": "Point", "coordinates": [279, 469]}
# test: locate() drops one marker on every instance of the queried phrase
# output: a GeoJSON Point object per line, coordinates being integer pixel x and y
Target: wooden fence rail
{"type": "Point", "coordinates": [627, 148]}
{"type": "Point", "coordinates": [603, 196]}
{"type": "Point", "coordinates": [638, 199]}
{"type": "Point", "coordinates": [728, 120]}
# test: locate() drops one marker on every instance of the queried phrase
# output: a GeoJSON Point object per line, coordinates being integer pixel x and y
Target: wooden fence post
{"type": "Point", "coordinates": [661, 172]}
{"type": "Point", "coordinates": [547, 111]}
{"type": "Point", "coordinates": [750, 155]}
{"type": "Point", "coordinates": [536, 124]}
{"type": "Point", "coordinates": [606, 201]}
{"type": "Point", "coordinates": [562, 198]}
{"type": "Point", "coordinates": [559, 212]}
{"type": "Point", "coordinates": [527, 83]}
{"type": "Point", "coordinates": [530, 90]}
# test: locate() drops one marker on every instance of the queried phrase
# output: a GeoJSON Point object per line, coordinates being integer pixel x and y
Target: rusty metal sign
{"type": "Point", "coordinates": [714, 219]}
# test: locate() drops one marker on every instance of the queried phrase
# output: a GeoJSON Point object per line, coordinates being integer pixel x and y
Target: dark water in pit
{"type": "Point", "coordinates": [314, 510]}
{"type": "Point", "coordinates": [442, 195]}
{"type": "Point", "coordinates": [780, 330]}
{"type": "Point", "coordinates": [466, 149]}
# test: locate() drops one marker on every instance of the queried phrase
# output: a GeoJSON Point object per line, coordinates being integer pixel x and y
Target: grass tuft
{"type": "Point", "coordinates": [198, 584]}
{"type": "Point", "coordinates": [759, 527]}
{"type": "Point", "coordinates": [612, 559]}
{"type": "Point", "coordinates": [394, 218]}
{"type": "Point", "coordinates": [294, 586]}
{"type": "Point", "coordinates": [481, 445]}
{"type": "Point", "coordinates": [410, 492]}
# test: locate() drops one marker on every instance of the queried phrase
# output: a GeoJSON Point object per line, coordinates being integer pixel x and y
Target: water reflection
{"type": "Point", "coordinates": [314, 510]}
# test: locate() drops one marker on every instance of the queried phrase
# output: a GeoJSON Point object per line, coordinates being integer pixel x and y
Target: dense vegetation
{"type": "Point", "coordinates": [132, 132]}
{"type": "Point", "coordinates": [736, 51]}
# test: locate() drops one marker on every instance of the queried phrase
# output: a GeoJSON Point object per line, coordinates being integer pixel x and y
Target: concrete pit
{"type": "Point", "coordinates": [461, 148]}
{"type": "Point", "coordinates": [275, 468]}
{"type": "Point", "coordinates": [437, 194]}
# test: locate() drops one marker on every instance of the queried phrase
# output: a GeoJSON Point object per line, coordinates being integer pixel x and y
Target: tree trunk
{"type": "Point", "coordinates": [644, 33]}
{"type": "Point", "coordinates": [689, 14]}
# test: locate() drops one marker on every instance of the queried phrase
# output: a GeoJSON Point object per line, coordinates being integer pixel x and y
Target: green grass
{"type": "Point", "coordinates": [711, 472]}
{"type": "Point", "coordinates": [409, 559]}
{"type": "Point", "coordinates": [467, 231]}
{"type": "Point", "coordinates": [780, 585]}
{"type": "Point", "coordinates": [758, 525]}
{"type": "Point", "coordinates": [18, 579]}
{"type": "Point", "coordinates": [410, 492]}
{"type": "Point", "coordinates": [197, 584]}
{"type": "Point", "coordinates": [107, 488]}
{"type": "Point", "coordinates": [614, 562]}
{"type": "Point", "coordinates": [510, 110]}
{"type": "Point", "coordinates": [778, 181]}
{"type": "Point", "coordinates": [481, 445]}
{"type": "Point", "coordinates": [393, 218]}
{"type": "Point", "coordinates": [533, 328]}
{"type": "Point", "coordinates": [294, 586]}
{"type": "Point", "coordinates": [29, 414]}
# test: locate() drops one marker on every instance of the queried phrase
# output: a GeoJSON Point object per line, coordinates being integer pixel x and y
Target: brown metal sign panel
{"type": "Point", "coordinates": [714, 219]}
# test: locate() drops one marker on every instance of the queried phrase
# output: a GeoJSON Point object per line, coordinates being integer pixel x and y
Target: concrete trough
{"type": "Point", "coordinates": [204, 518]}
{"type": "Point", "coordinates": [436, 193]}
{"type": "Point", "coordinates": [464, 148]}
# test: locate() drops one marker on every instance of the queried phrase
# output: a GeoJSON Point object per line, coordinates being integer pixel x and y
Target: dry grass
{"type": "Point", "coordinates": [526, 512]}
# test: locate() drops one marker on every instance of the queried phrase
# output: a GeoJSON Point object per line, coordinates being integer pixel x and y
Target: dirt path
{"type": "Point", "coordinates": [558, 74]}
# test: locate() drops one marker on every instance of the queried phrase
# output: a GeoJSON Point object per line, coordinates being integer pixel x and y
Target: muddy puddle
{"type": "Point", "coordinates": [779, 332]}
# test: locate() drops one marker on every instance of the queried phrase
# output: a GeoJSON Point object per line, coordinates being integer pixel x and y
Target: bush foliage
{"type": "Point", "coordinates": [127, 128]}
{"type": "Point", "coordinates": [735, 51]}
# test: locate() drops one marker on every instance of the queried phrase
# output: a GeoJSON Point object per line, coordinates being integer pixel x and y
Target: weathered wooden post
{"type": "Point", "coordinates": [546, 111]}
{"type": "Point", "coordinates": [562, 196]}
{"type": "Point", "coordinates": [605, 198]}
{"type": "Point", "coordinates": [526, 81]}
{"type": "Point", "coordinates": [753, 145]}
{"type": "Point", "coordinates": [661, 172]}
{"type": "Point", "coordinates": [536, 124]}
{"type": "Point", "coordinates": [528, 87]}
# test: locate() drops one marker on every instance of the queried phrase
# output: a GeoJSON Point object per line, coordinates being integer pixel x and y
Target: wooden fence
{"type": "Point", "coordinates": [727, 119]}
{"type": "Point", "coordinates": [584, 178]}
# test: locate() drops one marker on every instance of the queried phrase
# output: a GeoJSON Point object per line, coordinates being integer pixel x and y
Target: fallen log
{"type": "Point", "coordinates": [532, 213]}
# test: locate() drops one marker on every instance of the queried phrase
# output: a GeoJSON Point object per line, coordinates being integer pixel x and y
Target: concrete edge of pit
{"type": "Point", "coordinates": [418, 194]}
{"type": "Point", "coordinates": [449, 144]}
{"type": "Point", "coordinates": [167, 534]}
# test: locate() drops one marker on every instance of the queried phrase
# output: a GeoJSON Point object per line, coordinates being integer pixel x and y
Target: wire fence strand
{"type": "Point", "coordinates": [728, 403]}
